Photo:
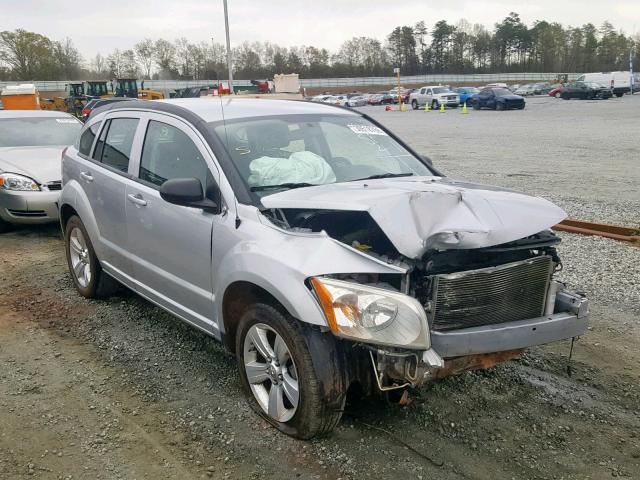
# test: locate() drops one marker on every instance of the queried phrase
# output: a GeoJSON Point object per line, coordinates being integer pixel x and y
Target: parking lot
{"type": "Point", "coordinates": [120, 389]}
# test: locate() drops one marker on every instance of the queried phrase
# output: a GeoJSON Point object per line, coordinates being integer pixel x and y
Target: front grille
{"type": "Point", "coordinates": [510, 292]}
{"type": "Point", "coordinates": [27, 213]}
{"type": "Point", "coordinates": [53, 186]}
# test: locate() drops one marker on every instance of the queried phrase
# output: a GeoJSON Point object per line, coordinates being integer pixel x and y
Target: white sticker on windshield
{"type": "Point", "coordinates": [366, 129]}
{"type": "Point", "coordinates": [66, 120]}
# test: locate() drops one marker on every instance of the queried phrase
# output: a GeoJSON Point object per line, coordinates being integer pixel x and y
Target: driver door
{"type": "Point", "coordinates": [171, 245]}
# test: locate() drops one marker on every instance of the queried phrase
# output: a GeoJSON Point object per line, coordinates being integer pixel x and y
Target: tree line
{"type": "Point", "coordinates": [511, 46]}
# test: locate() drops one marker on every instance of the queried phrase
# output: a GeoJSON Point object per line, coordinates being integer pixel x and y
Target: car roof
{"type": "Point", "coordinates": [33, 113]}
{"type": "Point", "coordinates": [210, 109]}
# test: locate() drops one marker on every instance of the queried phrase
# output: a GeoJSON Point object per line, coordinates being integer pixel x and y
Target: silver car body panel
{"type": "Point", "coordinates": [422, 213]}
{"type": "Point", "coordinates": [189, 277]}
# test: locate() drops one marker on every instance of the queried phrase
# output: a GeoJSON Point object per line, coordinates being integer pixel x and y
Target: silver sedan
{"type": "Point", "coordinates": [31, 145]}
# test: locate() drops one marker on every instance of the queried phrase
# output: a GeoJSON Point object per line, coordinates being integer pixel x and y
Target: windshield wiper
{"type": "Point", "coordinates": [259, 188]}
{"type": "Point", "coordinates": [383, 175]}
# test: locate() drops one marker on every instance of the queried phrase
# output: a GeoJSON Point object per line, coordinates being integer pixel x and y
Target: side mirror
{"type": "Point", "coordinates": [188, 193]}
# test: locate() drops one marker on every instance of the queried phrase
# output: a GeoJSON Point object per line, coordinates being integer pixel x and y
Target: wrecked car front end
{"type": "Point", "coordinates": [473, 283]}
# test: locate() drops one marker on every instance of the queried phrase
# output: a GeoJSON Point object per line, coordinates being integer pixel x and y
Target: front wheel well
{"type": "Point", "coordinates": [237, 298]}
{"type": "Point", "coordinates": [66, 212]}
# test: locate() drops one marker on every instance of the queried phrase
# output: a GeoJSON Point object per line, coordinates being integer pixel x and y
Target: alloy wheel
{"type": "Point", "coordinates": [271, 372]}
{"type": "Point", "coordinates": [80, 261]}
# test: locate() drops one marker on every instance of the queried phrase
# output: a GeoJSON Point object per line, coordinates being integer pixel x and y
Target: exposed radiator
{"type": "Point", "coordinates": [509, 292]}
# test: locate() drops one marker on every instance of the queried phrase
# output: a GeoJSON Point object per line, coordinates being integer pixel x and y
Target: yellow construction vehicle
{"type": "Point", "coordinates": [72, 103]}
{"type": "Point", "coordinates": [97, 89]}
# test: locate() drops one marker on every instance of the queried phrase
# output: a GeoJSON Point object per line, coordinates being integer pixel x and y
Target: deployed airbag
{"type": "Point", "coordinates": [300, 167]}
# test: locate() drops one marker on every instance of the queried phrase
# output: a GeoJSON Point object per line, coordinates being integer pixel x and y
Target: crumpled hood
{"type": "Point", "coordinates": [422, 213]}
{"type": "Point", "coordinates": [43, 164]}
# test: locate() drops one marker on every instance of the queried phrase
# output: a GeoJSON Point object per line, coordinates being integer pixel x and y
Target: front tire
{"type": "Point", "coordinates": [87, 274]}
{"type": "Point", "coordinates": [300, 393]}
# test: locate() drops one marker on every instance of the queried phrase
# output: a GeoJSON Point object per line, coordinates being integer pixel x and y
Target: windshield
{"type": "Point", "coordinates": [441, 90]}
{"type": "Point", "coordinates": [501, 92]}
{"type": "Point", "coordinates": [38, 131]}
{"type": "Point", "coordinates": [313, 150]}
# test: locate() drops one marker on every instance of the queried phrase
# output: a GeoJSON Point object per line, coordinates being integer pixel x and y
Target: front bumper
{"type": "Point", "coordinates": [480, 347]}
{"type": "Point", "coordinates": [570, 318]}
{"type": "Point", "coordinates": [29, 207]}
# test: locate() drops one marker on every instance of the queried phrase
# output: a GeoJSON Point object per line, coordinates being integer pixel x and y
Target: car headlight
{"type": "Point", "coordinates": [371, 314]}
{"type": "Point", "coordinates": [13, 181]}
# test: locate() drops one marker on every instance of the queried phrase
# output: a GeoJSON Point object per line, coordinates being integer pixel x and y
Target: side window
{"type": "Point", "coordinates": [169, 153]}
{"type": "Point", "coordinates": [87, 138]}
{"type": "Point", "coordinates": [422, 91]}
{"type": "Point", "coordinates": [429, 92]}
{"type": "Point", "coordinates": [114, 144]}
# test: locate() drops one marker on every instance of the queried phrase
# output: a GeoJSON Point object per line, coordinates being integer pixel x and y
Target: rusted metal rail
{"type": "Point", "coordinates": [624, 234]}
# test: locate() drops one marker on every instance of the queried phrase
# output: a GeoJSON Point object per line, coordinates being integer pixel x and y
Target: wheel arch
{"type": "Point", "coordinates": [238, 297]}
{"type": "Point", "coordinates": [66, 212]}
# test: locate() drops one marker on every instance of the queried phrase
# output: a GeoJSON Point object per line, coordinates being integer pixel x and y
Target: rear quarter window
{"type": "Point", "coordinates": [87, 138]}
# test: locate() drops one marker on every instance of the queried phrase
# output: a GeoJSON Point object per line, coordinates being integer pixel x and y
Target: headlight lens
{"type": "Point", "coordinates": [13, 181]}
{"type": "Point", "coordinates": [371, 314]}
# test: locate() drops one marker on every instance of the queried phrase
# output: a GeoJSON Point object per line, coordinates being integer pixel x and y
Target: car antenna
{"type": "Point", "coordinates": [226, 136]}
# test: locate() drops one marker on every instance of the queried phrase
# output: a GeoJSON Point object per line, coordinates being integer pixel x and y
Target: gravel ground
{"type": "Point", "coordinates": [582, 155]}
{"type": "Point", "coordinates": [118, 389]}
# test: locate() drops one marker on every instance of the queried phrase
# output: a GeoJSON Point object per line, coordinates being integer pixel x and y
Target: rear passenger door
{"type": "Point", "coordinates": [171, 245]}
{"type": "Point", "coordinates": [104, 177]}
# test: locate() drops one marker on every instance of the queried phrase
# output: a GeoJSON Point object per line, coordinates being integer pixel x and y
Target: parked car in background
{"type": "Point", "coordinates": [585, 91]}
{"type": "Point", "coordinates": [356, 101]}
{"type": "Point", "coordinates": [31, 144]}
{"type": "Point", "coordinates": [465, 93]}
{"type": "Point", "coordinates": [91, 105]}
{"type": "Point", "coordinates": [541, 88]}
{"type": "Point", "coordinates": [434, 96]}
{"type": "Point", "coordinates": [555, 91]}
{"type": "Point", "coordinates": [250, 225]}
{"type": "Point", "coordinates": [496, 85]}
{"type": "Point", "coordinates": [525, 90]}
{"type": "Point", "coordinates": [320, 98]}
{"type": "Point", "coordinates": [380, 99]}
{"type": "Point", "coordinates": [619, 82]}
{"type": "Point", "coordinates": [497, 99]}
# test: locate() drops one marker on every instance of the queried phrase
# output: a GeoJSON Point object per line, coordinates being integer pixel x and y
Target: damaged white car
{"type": "Point", "coordinates": [322, 251]}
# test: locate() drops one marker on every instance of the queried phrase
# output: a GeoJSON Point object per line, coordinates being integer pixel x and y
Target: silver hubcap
{"type": "Point", "coordinates": [271, 372]}
{"type": "Point", "coordinates": [79, 254]}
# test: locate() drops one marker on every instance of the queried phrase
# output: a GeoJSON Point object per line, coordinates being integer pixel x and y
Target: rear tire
{"type": "Point", "coordinates": [558, 95]}
{"type": "Point", "coordinates": [414, 104]}
{"type": "Point", "coordinates": [312, 364]}
{"type": "Point", "coordinates": [435, 105]}
{"type": "Point", "coordinates": [619, 94]}
{"type": "Point", "coordinates": [475, 105]}
{"type": "Point", "coordinates": [85, 269]}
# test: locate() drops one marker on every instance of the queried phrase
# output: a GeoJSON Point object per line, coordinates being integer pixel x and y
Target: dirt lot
{"type": "Point", "coordinates": [117, 389]}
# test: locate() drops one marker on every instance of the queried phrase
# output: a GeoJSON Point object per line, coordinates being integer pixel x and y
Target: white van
{"type": "Point", "coordinates": [620, 82]}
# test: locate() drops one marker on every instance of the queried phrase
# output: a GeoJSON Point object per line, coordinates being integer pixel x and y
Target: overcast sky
{"type": "Point", "coordinates": [101, 26]}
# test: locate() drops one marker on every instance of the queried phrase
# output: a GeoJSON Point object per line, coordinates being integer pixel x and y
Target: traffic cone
{"type": "Point", "coordinates": [464, 108]}
{"type": "Point", "coordinates": [442, 110]}
{"type": "Point", "coordinates": [403, 107]}
{"type": "Point", "coordinates": [426, 107]}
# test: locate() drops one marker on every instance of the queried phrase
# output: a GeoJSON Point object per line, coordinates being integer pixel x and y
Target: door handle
{"type": "Point", "coordinates": [137, 199]}
{"type": "Point", "coordinates": [87, 176]}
